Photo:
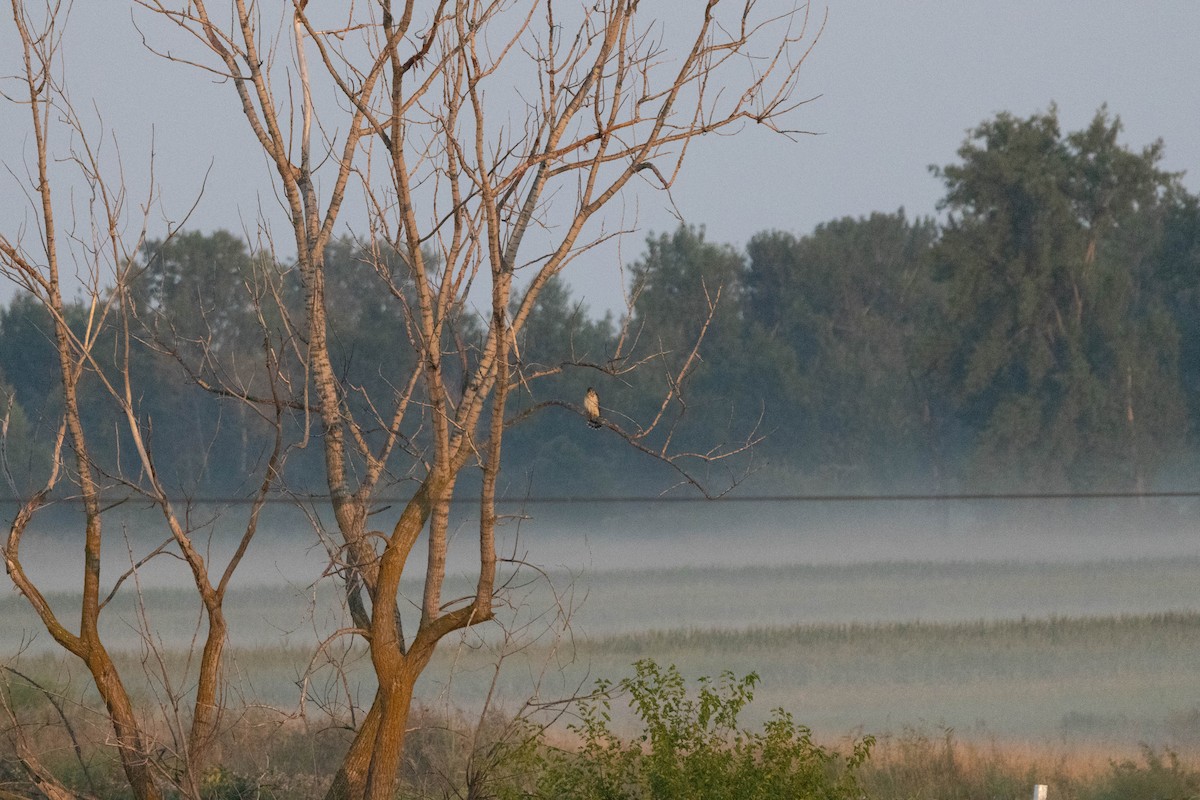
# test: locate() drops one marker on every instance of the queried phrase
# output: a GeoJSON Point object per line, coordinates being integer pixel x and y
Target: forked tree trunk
{"type": "Point", "coordinates": [372, 764]}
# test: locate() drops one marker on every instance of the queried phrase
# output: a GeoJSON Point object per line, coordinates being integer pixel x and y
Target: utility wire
{"type": "Point", "coordinates": [670, 499]}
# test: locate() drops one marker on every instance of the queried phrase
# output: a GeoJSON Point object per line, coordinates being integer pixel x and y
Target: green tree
{"type": "Point", "coordinates": [567, 352]}
{"type": "Point", "coordinates": [202, 301]}
{"type": "Point", "coordinates": [27, 351]}
{"type": "Point", "coordinates": [23, 458]}
{"type": "Point", "coordinates": [1177, 276]}
{"type": "Point", "coordinates": [687, 291]}
{"type": "Point", "coordinates": [680, 282]}
{"type": "Point", "coordinates": [27, 361]}
{"type": "Point", "coordinates": [369, 326]}
{"type": "Point", "coordinates": [1059, 362]}
{"type": "Point", "coordinates": [840, 311]}
{"type": "Point", "coordinates": [192, 288]}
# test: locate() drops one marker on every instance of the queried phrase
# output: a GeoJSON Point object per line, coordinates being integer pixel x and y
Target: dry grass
{"type": "Point", "coordinates": [940, 766]}
{"type": "Point", "coordinates": [280, 755]}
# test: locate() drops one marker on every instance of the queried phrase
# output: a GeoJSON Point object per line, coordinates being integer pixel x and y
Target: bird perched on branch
{"type": "Point", "coordinates": [591, 405]}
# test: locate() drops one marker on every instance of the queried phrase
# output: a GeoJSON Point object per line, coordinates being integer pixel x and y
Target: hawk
{"type": "Point", "coordinates": [591, 405]}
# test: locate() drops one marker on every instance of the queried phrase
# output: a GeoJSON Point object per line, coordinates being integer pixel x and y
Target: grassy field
{"type": "Point", "coordinates": [1136, 680]}
{"type": "Point", "coordinates": [1114, 681]}
{"type": "Point", "coordinates": [1119, 679]}
{"type": "Point", "coordinates": [1107, 651]}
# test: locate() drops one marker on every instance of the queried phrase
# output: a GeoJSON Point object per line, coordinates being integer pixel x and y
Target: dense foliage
{"type": "Point", "coordinates": [691, 746]}
{"type": "Point", "coordinates": [1043, 334]}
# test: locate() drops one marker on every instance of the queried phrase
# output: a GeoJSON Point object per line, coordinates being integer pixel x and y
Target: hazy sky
{"type": "Point", "coordinates": [895, 87]}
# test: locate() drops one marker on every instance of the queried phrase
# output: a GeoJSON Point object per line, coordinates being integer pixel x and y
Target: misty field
{"type": "Point", "coordinates": [1070, 624]}
{"type": "Point", "coordinates": [1086, 652]}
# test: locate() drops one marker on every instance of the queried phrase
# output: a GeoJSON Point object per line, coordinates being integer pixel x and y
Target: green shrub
{"type": "Point", "coordinates": [691, 747]}
{"type": "Point", "coordinates": [220, 783]}
{"type": "Point", "coordinates": [1162, 778]}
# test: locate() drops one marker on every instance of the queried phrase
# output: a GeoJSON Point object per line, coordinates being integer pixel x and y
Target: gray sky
{"type": "Point", "coordinates": [895, 87]}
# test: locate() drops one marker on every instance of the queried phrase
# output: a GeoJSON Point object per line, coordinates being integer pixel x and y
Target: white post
{"type": "Point", "coordinates": [1039, 791]}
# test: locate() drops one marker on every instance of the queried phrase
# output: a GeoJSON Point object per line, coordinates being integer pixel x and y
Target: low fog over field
{"type": "Point", "coordinates": [1056, 619]}
{"type": "Point", "coordinates": [624, 568]}
{"type": "Point", "coordinates": [623, 536]}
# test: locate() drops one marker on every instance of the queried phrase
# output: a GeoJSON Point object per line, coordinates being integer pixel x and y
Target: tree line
{"type": "Point", "coordinates": [1041, 334]}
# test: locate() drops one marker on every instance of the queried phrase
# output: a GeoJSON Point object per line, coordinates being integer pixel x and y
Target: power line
{"type": "Point", "coordinates": [916, 497]}
{"type": "Point", "coordinates": [866, 498]}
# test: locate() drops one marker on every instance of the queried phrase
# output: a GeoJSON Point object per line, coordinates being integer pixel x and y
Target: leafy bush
{"type": "Point", "coordinates": [220, 783]}
{"type": "Point", "coordinates": [691, 747]}
{"type": "Point", "coordinates": [1162, 778]}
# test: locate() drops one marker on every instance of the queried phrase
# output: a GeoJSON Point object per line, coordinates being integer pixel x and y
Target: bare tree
{"type": "Point", "coordinates": [34, 263]}
{"type": "Point", "coordinates": [484, 137]}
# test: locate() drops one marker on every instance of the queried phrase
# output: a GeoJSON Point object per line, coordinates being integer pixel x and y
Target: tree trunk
{"type": "Point", "coordinates": [130, 746]}
{"type": "Point", "coordinates": [372, 764]}
{"type": "Point", "coordinates": [350, 781]}
{"type": "Point", "coordinates": [206, 711]}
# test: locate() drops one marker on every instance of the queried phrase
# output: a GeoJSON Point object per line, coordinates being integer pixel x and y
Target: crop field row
{"type": "Point", "coordinates": [604, 603]}
{"type": "Point", "coordinates": [1115, 681]}
{"type": "Point", "coordinates": [1122, 679]}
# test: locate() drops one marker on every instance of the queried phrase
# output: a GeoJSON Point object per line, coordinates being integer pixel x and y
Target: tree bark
{"type": "Point", "coordinates": [130, 745]}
